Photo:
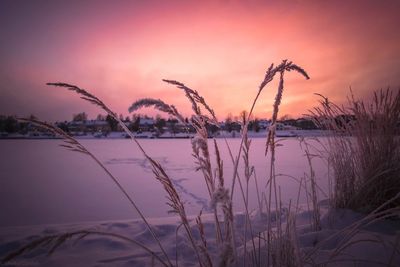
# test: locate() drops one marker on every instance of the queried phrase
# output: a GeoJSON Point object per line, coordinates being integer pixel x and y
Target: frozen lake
{"type": "Point", "coordinates": [42, 183]}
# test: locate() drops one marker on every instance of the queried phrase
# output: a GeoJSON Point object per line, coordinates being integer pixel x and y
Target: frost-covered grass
{"type": "Point", "coordinates": [275, 235]}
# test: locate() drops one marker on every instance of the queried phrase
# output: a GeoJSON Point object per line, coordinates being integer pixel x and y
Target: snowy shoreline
{"type": "Point", "coordinates": [150, 135]}
{"type": "Point", "coordinates": [372, 245]}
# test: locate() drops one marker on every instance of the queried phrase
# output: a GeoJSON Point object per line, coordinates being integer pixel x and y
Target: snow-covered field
{"type": "Point", "coordinates": [46, 190]}
{"type": "Point", "coordinates": [369, 246]}
{"type": "Point", "coordinates": [43, 183]}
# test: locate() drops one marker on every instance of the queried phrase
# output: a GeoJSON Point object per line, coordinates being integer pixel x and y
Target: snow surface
{"type": "Point", "coordinates": [98, 250]}
{"type": "Point", "coordinates": [42, 183]}
{"type": "Point", "coordinates": [46, 190]}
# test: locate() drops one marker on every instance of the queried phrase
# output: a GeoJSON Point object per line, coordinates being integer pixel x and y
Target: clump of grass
{"type": "Point", "coordinates": [364, 149]}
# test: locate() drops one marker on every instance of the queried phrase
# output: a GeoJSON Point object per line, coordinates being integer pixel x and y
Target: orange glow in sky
{"type": "Point", "coordinates": [120, 51]}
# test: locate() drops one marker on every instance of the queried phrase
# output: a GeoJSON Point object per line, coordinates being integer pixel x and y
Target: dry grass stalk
{"type": "Point", "coordinates": [283, 249]}
{"type": "Point", "coordinates": [271, 72]}
{"type": "Point", "coordinates": [206, 259]}
{"type": "Point", "coordinates": [284, 66]}
{"type": "Point", "coordinates": [221, 197]}
{"type": "Point", "coordinates": [248, 172]}
{"type": "Point", "coordinates": [55, 241]}
{"type": "Point", "coordinates": [290, 251]}
{"type": "Point", "coordinates": [196, 99]}
{"type": "Point", "coordinates": [174, 202]}
{"type": "Point", "coordinates": [313, 190]}
{"type": "Point", "coordinates": [85, 95]}
{"type": "Point", "coordinates": [201, 152]}
{"type": "Point", "coordinates": [202, 156]}
{"type": "Point", "coordinates": [219, 174]}
{"type": "Point", "coordinates": [157, 104]}
{"type": "Point", "coordinates": [219, 171]}
{"type": "Point", "coordinates": [199, 143]}
{"type": "Point", "coordinates": [269, 76]}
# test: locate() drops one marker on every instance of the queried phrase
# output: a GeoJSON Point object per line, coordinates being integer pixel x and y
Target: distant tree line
{"type": "Point", "coordinates": [142, 123]}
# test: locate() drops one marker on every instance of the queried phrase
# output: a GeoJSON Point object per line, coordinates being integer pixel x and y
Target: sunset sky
{"type": "Point", "coordinates": [120, 51]}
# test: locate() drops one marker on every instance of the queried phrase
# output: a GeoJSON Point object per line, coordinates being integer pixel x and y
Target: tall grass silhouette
{"type": "Point", "coordinates": [220, 195]}
{"type": "Point", "coordinates": [374, 161]}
